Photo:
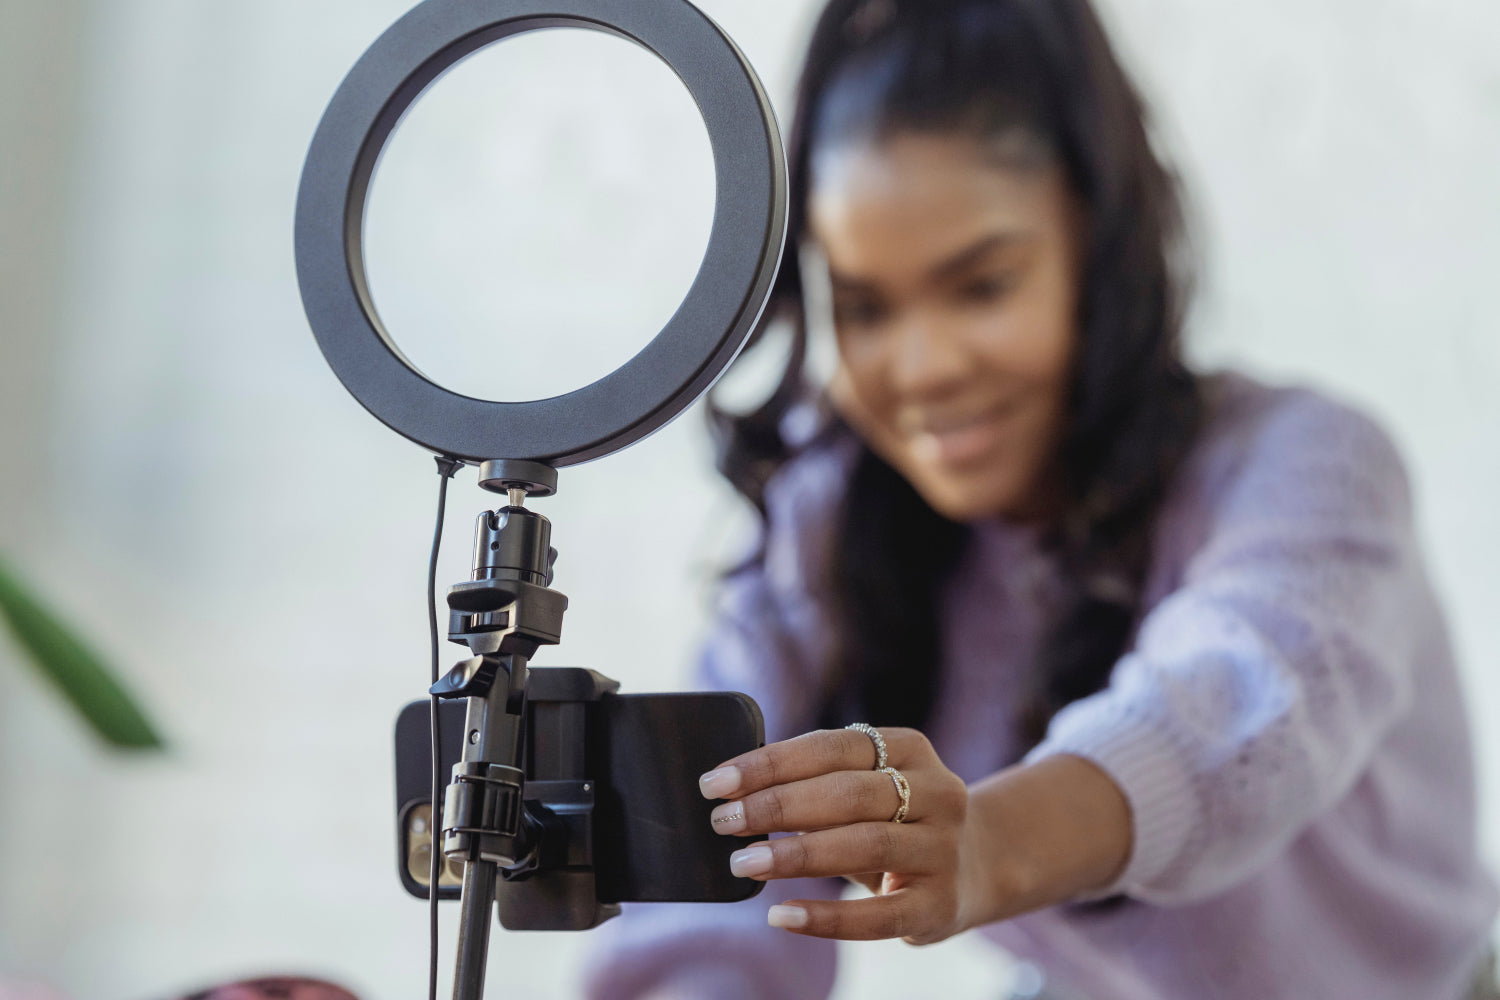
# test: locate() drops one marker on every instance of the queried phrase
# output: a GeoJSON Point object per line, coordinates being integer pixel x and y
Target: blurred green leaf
{"type": "Point", "coordinates": [76, 671]}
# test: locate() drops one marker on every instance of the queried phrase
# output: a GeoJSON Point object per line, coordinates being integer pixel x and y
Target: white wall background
{"type": "Point", "coordinates": [182, 472]}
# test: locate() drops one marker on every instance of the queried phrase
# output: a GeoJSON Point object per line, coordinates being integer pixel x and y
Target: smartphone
{"type": "Point", "coordinates": [637, 755]}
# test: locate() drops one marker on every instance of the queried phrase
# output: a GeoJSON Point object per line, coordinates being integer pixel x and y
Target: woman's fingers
{"type": "Point", "coordinates": [910, 913]}
{"type": "Point", "coordinates": [825, 786]}
{"type": "Point", "coordinates": [858, 849]}
{"type": "Point", "coordinates": [817, 803]}
{"type": "Point", "coordinates": [808, 756]}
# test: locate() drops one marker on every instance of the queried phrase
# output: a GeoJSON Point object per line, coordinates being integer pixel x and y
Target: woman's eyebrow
{"type": "Point", "coordinates": [947, 268]}
{"type": "Point", "coordinates": [845, 283]}
{"type": "Point", "coordinates": [975, 252]}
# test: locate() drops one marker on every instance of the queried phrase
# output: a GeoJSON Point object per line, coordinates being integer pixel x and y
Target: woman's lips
{"type": "Point", "coordinates": [961, 441]}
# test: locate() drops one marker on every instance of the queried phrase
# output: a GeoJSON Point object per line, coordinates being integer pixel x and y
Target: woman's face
{"type": "Point", "coordinates": [955, 286]}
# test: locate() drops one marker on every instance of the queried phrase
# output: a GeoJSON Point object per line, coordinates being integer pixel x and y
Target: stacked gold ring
{"type": "Point", "coordinates": [882, 763]}
{"type": "Point", "coordinates": [903, 789]}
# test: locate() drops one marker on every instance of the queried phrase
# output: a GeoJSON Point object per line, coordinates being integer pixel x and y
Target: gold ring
{"type": "Point", "coordinates": [903, 789]}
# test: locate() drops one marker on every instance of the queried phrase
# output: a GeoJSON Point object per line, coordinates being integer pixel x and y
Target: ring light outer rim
{"type": "Point", "coordinates": [684, 359]}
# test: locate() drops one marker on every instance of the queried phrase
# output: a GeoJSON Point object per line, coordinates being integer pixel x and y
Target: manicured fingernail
{"type": "Point", "coordinates": [793, 918]}
{"type": "Point", "coordinates": [718, 784]}
{"type": "Point", "coordinates": [751, 861]}
{"type": "Point", "coordinates": [728, 818]}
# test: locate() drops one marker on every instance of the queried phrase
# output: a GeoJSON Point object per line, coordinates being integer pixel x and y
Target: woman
{"type": "Point", "coordinates": [1192, 727]}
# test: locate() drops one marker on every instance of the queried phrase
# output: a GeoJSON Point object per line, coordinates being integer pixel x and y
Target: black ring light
{"type": "Point", "coordinates": [669, 373]}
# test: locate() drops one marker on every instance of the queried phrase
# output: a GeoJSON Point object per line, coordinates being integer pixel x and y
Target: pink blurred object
{"type": "Point", "coordinates": [270, 988]}
{"type": "Point", "coordinates": [28, 991]}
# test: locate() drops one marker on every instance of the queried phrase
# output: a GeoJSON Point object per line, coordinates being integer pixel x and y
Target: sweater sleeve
{"type": "Point", "coordinates": [764, 643]}
{"type": "Point", "coordinates": [1258, 690]}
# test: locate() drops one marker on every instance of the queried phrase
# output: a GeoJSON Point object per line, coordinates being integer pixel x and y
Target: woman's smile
{"type": "Point", "coordinates": [957, 438]}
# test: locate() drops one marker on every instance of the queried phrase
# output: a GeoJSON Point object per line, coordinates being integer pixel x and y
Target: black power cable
{"type": "Point", "coordinates": [446, 468]}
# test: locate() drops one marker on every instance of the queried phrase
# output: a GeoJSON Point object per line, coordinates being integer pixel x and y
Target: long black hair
{"type": "Point", "coordinates": [1042, 70]}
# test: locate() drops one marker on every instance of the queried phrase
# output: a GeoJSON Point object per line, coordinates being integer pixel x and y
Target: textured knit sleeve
{"type": "Point", "coordinates": [766, 642]}
{"type": "Point", "coordinates": [1258, 689]}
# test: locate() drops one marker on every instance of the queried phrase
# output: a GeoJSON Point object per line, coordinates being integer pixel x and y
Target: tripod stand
{"type": "Point", "coordinates": [567, 797]}
{"type": "Point", "coordinates": [503, 614]}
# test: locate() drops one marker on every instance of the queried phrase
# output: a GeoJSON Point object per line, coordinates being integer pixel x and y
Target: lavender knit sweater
{"type": "Point", "coordinates": [1287, 727]}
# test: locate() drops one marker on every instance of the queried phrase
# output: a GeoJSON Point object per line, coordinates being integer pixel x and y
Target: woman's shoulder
{"type": "Point", "coordinates": [1291, 450]}
{"type": "Point", "coordinates": [815, 475]}
{"type": "Point", "coordinates": [1274, 465]}
{"type": "Point", "coordinates": [804, 496]}
{"type": "Point", "coordinates": [801, 502]}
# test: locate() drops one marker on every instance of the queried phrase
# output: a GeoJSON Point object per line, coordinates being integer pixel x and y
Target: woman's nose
{"type": "Point", "coordinates": [927, 357]}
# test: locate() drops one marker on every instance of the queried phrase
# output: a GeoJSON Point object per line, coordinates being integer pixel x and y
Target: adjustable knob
{"type": "Point", "coordinates": [513, 543]}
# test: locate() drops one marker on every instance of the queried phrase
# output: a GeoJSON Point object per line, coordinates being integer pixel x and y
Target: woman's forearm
{"type": "Point", "coordinates": [1043, 833]}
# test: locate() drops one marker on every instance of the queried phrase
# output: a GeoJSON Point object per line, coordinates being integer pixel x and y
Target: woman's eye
{"type": "Point", "coordinates": [858, 313]}
{"type": "Point", "coordinates": [982, 291]}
